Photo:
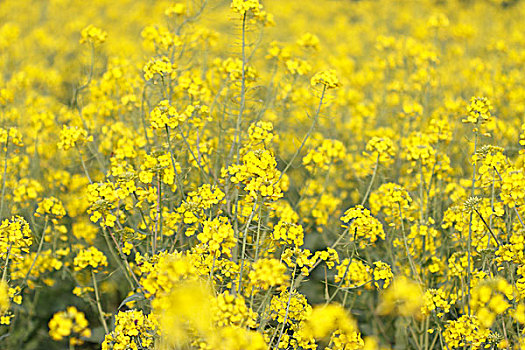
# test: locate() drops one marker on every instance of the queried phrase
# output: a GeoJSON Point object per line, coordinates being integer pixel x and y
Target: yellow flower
{"type": "Point", "coordinates": [70, 323]}
{"type": "Point", "coordinates": [382, 275]}
{"type": "Point", "coordinates": [71, 137]}
{"type": "Point", "coordinates": [327, 78]}
{"type": "Point", "coordinates": [130, 327]}
{"type": "Point", "coordinates": [363, 228]}
{"type": "Point", "coordinates": [90, 257]}
{"type": "Point", "coordinates": [267, 273]}
{"type": "Point", "coordinates": [478, 111]}
{"type": "Point", "coordinates": [246, 6]}
{"type": "Point", "coordinates": [93, 35]}
{"type": "Point", "coordinates": [403, 298]}
{"type": "Point", "coordinates": [15, 238]}
{"type": "Point", "coordinates": [465, 331]}
{"type": "Point", "coordinates": [326, 319]}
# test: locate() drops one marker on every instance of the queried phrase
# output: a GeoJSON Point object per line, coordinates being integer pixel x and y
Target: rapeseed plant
{"type": "Point", "coordinates": [252, 174]}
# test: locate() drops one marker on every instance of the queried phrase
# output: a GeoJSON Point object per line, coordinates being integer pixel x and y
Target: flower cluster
{"type": "Point", "coordinates": [92, 258]}
{"type": "Point", "coordinates": [404, 297]}
{"type": "Point", "coordinates": [363, 228]}
{"type": "Point", "coordinates": [267, 273]}
{"type": "Point", "coordinates": [465, 331]}
{"type": "Point", "coordinates": [381, 148]}
{"type": "Point", "coordinates": [326, 78]}
{"type": "Point", "coordinates": [161, 67]}
{"type": "Point", "coordinates": [93, 35]}
{"type": "Point", "coordinates": [4, 303]}
{"type": "Point", "coordinates": [288, 233]}
{"type": "Point", "coordinates": [132, 329]}
{"type": "Point", "coordinates": [15, 238]}
{"type": "Point", "coordinates": [218, 236]}
{"type": "Point", "coordinates": [478, 111]}
{"type": "Point", "coordinates": [70, 324]}
{"type": "Point", "coordinates": [192, 180]}
{"type": "Point", "coordinates": [328, 152]}
{"type": "Point", "coordinates": [164, 115]}
{"type": "Point", "coordinates": [258, 171]}
{"type": "Point", "coordinates": [51, 206]}
{"type": "Point", "coordinates": [71, 137]}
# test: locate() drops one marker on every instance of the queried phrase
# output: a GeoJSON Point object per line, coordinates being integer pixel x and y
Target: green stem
{"type": "Point", "coordinates": [4, 272]}
{"type": "Point", "coordinates": [4, 177]}
{"type": "Point", "coordinates": [173, 163]}
{"type": "Point", "coordinates": [238, 138]}
{"type": "Point", "coordinates": [469, 242]}
{"type": "Point", "coordinates": [84, 165]}
{"type": "Point", "coordinates": [37, 252]}
{"type": "Point", "coordinates": [488, 227]}
{"type": "Point", "coordinates": [409, 256]}
{"type": "Point", "coordinates": [99, 306]}
{"type": "Point", "coordinates": [244, 245]}
{"type": "Point", "coordinates": [287, 306]}
{"type": "Point", "coordinates": [314, 123]}
{"type": "Point", "coordinates": [371, 181]}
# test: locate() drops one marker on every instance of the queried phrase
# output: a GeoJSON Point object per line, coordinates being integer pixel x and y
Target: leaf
{"type": "Point", "coordinates": [133, 297]}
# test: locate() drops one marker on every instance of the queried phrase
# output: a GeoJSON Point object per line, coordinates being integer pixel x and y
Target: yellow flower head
{"type": "Point", "coordinates": [403, 298]}
{"type": "Point", "coordinates": [90, 257]}
{"type": "Point", "coordinates": [327, 78]}
{"type": "Point", "coordinates": [93, 35]}
{"type": "Point", "coordinates": [70, 323]}
{"type": "Point", "coordinates": [478, 111]}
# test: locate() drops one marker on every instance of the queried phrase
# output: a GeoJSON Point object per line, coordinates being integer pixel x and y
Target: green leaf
{"type": "Point", "coordinates": [133, 297]}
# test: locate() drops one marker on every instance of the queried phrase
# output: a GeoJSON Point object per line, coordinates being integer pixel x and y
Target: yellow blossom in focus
{"type": "Point", "coordinates": [90, 257]}
{"type": "Point", "coordinates": [479, 111]}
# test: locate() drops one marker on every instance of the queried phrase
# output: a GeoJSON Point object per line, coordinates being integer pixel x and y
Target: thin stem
{"type": "Point", "coordinates": [492, 198]}
{"type": "Point", "coordinates": [4, 176]}
{"type": "Point", "coordinates": [514, 206]}
{"type": "Point", "coordinates": [82, 87]}
{"type": "Point", "coordinates": [409, 256]}
{"type": "Point", "coordinates": [287, 307]}
{"type": "Point", "coordinates": [258, 234]}
{"type": "Point", "coordinates": [84, 165]}
{"type": "Point", "coordinates": [421, 193]}
{"type": "Point", "coordinates": [99, 307]}
{"type": "Point", "coordinates": [157, 220]}
{"type": "Point", "coordinates": [122, 257]}
{"type": "Point", "coordinates": [143, 119]}
{"type": "Point", "coordinates": [314, 123]}
{"type": "Point", "coordinates": [469, 243]}
{"type": "Point", "coordinates": [301, 277]}
{"type": "Point", "coordinates": [173, 163]}
{"type": "Point", "coordinates": [119, 262]}
{"type": "Point", "coordinates": [37, 252]}
{"type": "Point", "coordinates": [487, 226]}
{"type": "Point", "coordinates": [4, 272]}
{"type": "Point", "coordinates": [244, 245]}
{"type": "Point", "coordinates": [238, 138]}
{"type": "Point", "coordinates": [197, 160]}
{"type": "Point", "coordinates": [331, 298]}
{"type": "Point", "coordinates": [371, 181]}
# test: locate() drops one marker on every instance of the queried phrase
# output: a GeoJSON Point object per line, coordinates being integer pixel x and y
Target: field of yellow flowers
{"type": "Point", "coordinates": [262, 174]}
